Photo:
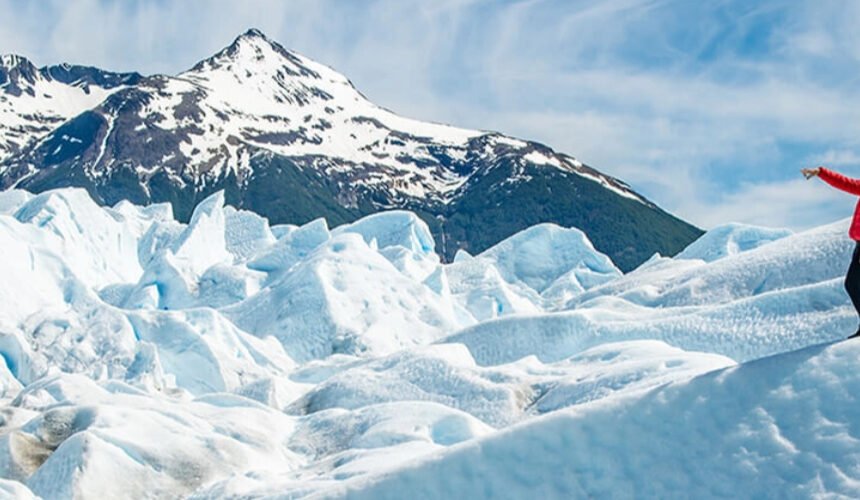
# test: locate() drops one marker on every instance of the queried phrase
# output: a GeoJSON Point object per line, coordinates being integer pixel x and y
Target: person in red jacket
{"type": "Point", "coordinates": [849, 185]}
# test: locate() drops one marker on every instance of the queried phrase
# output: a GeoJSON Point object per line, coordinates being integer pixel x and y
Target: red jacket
{"type": "Point", "coordinates": [848, 185]}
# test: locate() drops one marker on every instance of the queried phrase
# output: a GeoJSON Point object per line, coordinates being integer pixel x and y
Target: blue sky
{"type": "Point", "coordinates": [708, 108]}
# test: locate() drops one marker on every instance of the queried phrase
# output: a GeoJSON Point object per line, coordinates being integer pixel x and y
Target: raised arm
{"type": "Point", "coordinates": [835, 179]}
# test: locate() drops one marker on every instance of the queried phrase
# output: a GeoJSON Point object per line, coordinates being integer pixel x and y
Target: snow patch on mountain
{"type": "Point", "coordinates": [256, 93]}
{"type": "Point", "coordinates": [252, 97]}
{"type": "Point", "coordinates": [33, 103]}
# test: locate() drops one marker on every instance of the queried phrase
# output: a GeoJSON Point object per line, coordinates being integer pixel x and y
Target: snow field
{"type": "Point", "coordinates": [780, 427]}
{"type": "Point", "coordinates": [228, 358]}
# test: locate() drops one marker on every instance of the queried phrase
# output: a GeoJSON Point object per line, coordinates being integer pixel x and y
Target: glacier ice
{"type": "Point", "coordinates": [730, 239]}
{"type": "Point", "coordinates": [225, 357]}
{"type": "Point", "coordinates": [541, 255]}
{"type": "Point", "coordinates": [780, 427]}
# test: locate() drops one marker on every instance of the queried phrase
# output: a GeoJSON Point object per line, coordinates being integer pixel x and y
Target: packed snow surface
{"type": "Point", "coordinates": [227, 358]}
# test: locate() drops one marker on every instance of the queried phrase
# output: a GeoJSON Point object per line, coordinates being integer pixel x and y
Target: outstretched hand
{"type": "Point", "coordinates": [809, 173]}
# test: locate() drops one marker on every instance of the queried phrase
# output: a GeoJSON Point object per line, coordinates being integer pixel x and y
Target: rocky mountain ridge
{"type": "Point", "coordinates": [294, 140]}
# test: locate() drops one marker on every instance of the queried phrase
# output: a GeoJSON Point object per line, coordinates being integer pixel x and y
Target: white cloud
{"type": "Point", "coordinates": [837, 157]}
{"type": "Point", "coordinates": [796, 204]}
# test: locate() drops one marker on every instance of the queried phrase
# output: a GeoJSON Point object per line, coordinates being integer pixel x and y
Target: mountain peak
{"type": "Point", "coordinates": [13, 63]}
{"type": "Point", "coordinates": [17, 74]}
{"type": "Point", "coordinates": [254, 33]}
{"type": "Point", "coordinates": [84, 76]}
{"type": "Point", "coordinates": [252, 48]}
{"type": "Point", "coordinates": [9, 61]}
{"type": "Point", "coordinates": [256, 40]}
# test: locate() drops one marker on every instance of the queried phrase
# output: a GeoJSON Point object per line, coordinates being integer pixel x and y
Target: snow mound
{"type": "Point", "coordinates": [478, 285]}
{"type": "Point", "coordinates": [204, 352]}
{"type": "Point", "coordinates": [812, 256]}
{"type": "Point", "coordinates": [541, 267]}
{"type": "Point", "coordinates": [352, 445]}
{"type": "Point", "coordinates": [401, 237]}
{"type": "Point", "coordinates": [771, 299]}
{"type": "Point", "coordinates": [506, 393]}
{"type": "Point", "coordinates": [393, 228]}
{"type": "Point", "coordinates": [730, 239]}
{"type": "Point", "coordinates": [11, 200]}
{"type": "Point", "coordinates": [292, 247]}
{"type": "Point", "coordinates": [344, 297]}
{"type": "Point", "coordinates": [546, 253]}
{"type": "Point", "coordinates": [622, 369]}
{"type": "Point", "coordinates": [158, 446]}
{"type": "Point", "coordinates": [443, 374]}
{"type": "Point", "coordinates": [778, 427]}
{"type": "Point", "coordinates": [98, 248]}
{"type": "Point", "coordinates": [203, 242]}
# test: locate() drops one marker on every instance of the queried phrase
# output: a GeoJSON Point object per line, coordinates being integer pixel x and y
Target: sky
{"type": "Point", "coordinates": [708, 108]}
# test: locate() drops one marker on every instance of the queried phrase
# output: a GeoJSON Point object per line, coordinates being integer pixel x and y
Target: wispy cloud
{"type": "Point", "coordinates": [709, 108]}
{"type": "Point", "coordinates": [838, 157]}
{"type": "Point", "coordinates": [794, 203]}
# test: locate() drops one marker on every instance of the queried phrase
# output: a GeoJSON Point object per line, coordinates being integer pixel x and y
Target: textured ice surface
{"type": "Point", "coordinates": [781, 427]}
{"type": "Point", "coordinates": [227, 358]}
{"type": "Point", "coordinates": [730, 239]}
{"type": "Point", "coordinates": [542, 254]}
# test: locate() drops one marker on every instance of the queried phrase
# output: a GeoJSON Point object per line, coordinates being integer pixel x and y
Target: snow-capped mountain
{"type": "Point", "coordinates": [34, 101]}
{"type": "Point", "coordinates": [294, 140]}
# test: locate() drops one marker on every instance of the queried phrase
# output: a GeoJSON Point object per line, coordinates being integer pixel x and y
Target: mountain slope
{"type": "Point", "coordinates": [294, 140]}
{"type": "Point", "coordinates": [34, 101]}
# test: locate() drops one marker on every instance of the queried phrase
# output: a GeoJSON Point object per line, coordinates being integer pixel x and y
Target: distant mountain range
{"type": "Point", "coordinates": [293, 140]}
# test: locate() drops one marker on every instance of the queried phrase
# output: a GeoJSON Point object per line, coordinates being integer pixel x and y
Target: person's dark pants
{"type": "Point", "coordinates": [852, 279]}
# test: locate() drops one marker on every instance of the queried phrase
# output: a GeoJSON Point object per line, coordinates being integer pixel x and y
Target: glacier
{"type": "Point", "coordinates": [229, 358]}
